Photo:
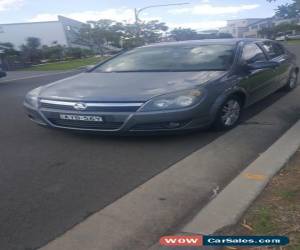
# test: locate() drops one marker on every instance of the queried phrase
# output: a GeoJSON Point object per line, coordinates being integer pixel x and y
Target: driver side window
{"type": "Point", "coordinates": [252, 53]}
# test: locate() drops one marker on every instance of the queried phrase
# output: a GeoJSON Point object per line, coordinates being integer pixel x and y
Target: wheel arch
{"type": "Point", "coordinates": [240, 93]}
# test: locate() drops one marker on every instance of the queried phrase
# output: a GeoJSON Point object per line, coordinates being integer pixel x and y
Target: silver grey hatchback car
{"type": "Point", "coordinates": [166, 87]}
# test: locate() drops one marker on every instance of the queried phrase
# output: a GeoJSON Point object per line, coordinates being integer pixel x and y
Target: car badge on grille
{"type": "Point", "coordinates": [80, 106]}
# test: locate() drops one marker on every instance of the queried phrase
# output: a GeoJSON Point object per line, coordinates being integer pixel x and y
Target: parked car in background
{"type": "Point", "coordinates": [2, 73]}
{"type": "Point", "coordinates": [293, 37]}
{"type": "Point", "coordinates": [167, 87]}
{"type": "Point", "coordinates": [280, 38]}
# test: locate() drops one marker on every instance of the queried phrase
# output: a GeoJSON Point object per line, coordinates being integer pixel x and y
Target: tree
{"type": "Point", "coordinates": [8, 49]}
{"type": "Point", "coordinates": [224, 35]}
{"type": "Point", "coordinates": [78, 53]}
{"type": "Point", "coordinates": [104, 33]}
{"type": "Point", "coordinates": [152, 31]}
{"type": "Point", "coordinates": [31, 51]}
{"type": "Point", "coordinates": [100, 33]}
{"type": "Point", "coordinates": [180, 34]}
{"type": "Point", "coordinates": [53, 53]}
{"type": "Point", "coordinates": [8, 54]}
{"type": "Point", "coordinates": [33, 43]}
{"type": "Point", "coordinates": [282, 28]}
{"type": "Point", "coordinates": [288, 10]}
{"type": "Point", "coordinates": [267, 32]}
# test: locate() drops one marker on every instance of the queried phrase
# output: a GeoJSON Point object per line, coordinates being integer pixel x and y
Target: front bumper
{"type": "Point", "coordinates": [125, 122]}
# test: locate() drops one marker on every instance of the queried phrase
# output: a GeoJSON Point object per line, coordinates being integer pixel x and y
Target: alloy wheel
{"type": "Point", "coordinates": [293, 80]}
{"type": "Point", "coordinates": [231, 112]}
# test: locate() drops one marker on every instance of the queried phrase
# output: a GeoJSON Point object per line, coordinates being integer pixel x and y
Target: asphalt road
{"type": "Point", "coordinates": [51, 180]}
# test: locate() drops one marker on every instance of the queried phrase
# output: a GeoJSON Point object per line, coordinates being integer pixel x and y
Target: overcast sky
{"type": "Point", "coordinates": [199, 14]}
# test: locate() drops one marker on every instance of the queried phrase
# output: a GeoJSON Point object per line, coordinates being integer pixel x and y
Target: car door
{"type": "Point", "coordinates": [277, 53]}
{"type": "Point", "coordinates": [258, 83]}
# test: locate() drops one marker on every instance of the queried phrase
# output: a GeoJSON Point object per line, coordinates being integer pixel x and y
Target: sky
{"type": "Point", "coordinates": [198, 14]}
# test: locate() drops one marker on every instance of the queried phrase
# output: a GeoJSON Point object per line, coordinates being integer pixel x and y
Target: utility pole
{"type": "Point", "coordinates": [137, 12]}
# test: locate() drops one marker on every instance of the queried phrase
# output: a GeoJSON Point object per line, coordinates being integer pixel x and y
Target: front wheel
{"type": "Point", "coordinates": [292, 82]}
{"type": "Point", "coordinates": [229, 114]}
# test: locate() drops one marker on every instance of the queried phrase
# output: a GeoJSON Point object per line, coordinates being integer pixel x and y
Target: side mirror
{"type": "Point", "coordinates": [263, 65]}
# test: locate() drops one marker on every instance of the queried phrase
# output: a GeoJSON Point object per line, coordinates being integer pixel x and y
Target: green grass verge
{"type": "Point", "coordinates": [262, 221]}
{"type": "Point", "coordinates": [66, 65]}
{"type": "Point", "coordinates": [293, 42]}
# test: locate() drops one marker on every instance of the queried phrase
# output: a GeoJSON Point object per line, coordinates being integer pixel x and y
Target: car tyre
{"type": "Point", "coordinates": [229, 114]}
{"type": "Point", "coordinates": [292, 82]}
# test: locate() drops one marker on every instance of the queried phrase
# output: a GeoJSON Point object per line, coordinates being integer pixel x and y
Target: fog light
{"type": "Point", "coordinates": [172, 124]}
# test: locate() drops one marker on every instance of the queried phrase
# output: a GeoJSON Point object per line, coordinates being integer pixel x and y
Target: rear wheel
{"type": "Point", "coordinates": [292, 82]}
{"type": "Point", "coordinates": [229, 114]}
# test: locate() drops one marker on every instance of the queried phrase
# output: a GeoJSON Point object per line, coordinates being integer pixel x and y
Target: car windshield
{"type": "Point", "coordinates": [172, 58]}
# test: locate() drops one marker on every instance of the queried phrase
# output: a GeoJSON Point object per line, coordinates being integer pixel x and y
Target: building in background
{"type": "Point", "coordinates": [64, 31]}
{"type": "Point", "coordinates": [238, 27]}
{"type": "Point", "coordinates": [253, 29]}
{"type": "Point", "coordinates": [249, 28]}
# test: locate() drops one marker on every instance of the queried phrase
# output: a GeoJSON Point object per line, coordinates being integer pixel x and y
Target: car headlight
{"type": "Point", "coordinates": [177, 100]}
{"type": "Point", "coordinates": [32, 97]}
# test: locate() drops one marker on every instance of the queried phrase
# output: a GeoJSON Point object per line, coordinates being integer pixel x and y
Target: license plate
{"type": "Point", "coordinates": [84, 118]}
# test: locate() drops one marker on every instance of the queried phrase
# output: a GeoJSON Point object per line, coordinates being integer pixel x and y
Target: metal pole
{"type": "Point", "coordinates": [136, 15]}
{"type": "Point", "coordinates": [138, 11]}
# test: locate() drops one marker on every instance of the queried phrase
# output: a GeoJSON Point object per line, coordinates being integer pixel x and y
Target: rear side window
{"type": "Point", "coordinates": [273, 49]}
{"type": "Point", "coordinates": [252, 53]}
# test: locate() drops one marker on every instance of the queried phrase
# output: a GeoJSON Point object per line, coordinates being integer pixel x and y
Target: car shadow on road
{"type": "Point", "coordinates": [261, 105]}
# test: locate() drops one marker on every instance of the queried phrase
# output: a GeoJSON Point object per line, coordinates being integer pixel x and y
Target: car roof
{"type": "Point", "coordinates": [228, 41]}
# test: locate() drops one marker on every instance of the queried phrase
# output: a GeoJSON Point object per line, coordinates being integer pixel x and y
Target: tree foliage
{"type": "Point", "coordinates": [104, 33]}
{"type": "Point", "coordinates": [9, 50]}
{"type": "Point", "coordinates": [287, 11]}
{"type": "Point", "coordinates": [180, 34]}
{"type": "Point", "coordinates": [282, 28]}
{"type": "Point", "coordinates": [53, 53]}
{"type": "Point", "coordinates": [290, 10]}
{"type": "Point", "coordinates": [31, 51]}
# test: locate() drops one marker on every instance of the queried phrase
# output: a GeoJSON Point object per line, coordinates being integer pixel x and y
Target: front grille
{"type": "Point", "coordinates": [114, 108]}
{"type": "Point", "coordinates": [85, 124]}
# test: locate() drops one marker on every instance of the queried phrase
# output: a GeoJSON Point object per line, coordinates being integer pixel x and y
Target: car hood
{"type": "Point", "coordinates": [125, 87]}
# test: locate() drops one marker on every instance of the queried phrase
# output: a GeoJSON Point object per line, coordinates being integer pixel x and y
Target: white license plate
{"type": "Point", "coordinates": [85, 118]}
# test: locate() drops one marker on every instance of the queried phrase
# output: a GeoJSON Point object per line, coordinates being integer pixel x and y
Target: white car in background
{"type": "Point", "coordinates": [280, 38]}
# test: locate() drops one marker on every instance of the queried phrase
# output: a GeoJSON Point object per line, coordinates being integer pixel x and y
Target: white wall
{"type": "Point", "coordinates": [48, 32]}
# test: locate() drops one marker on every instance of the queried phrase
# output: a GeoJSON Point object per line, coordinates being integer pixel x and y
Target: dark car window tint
{"type": "Point", "coordinates": [273, 49]}
{"type": "Point", "coordinates": [252, 53]}
{"type": "Point", "coordinates": [172, 58]}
